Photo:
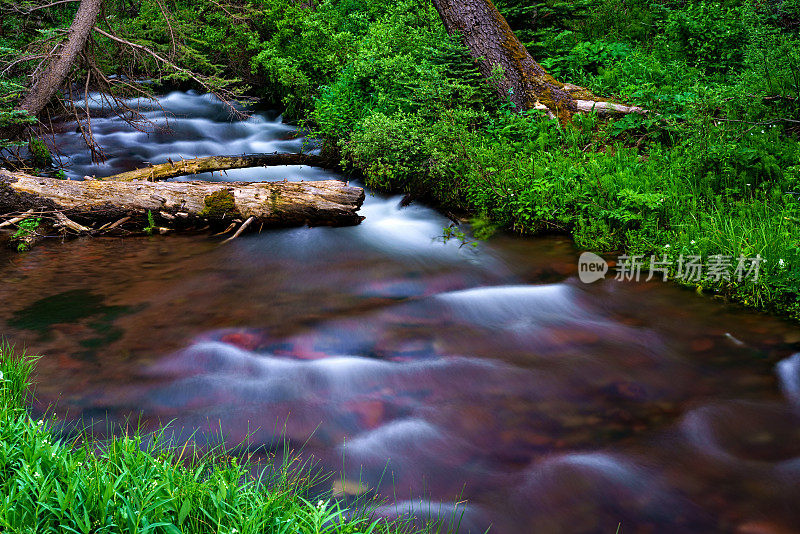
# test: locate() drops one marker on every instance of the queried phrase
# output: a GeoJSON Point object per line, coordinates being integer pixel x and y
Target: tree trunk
{"type": "Point", "coordinates": [58, 68]}
{"type": "Point", "coordinates": [185, 167]}
{"type": "Point", "coordinates": [181, 204]}
{"type": "Point", "coordinates": [490, 40]}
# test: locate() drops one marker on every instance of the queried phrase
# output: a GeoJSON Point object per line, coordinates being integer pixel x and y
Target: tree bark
{"type": "Point", "coordinates": [57, 69]}
{"type": "Point", "coordinates": [185, 167]}
{"type": "Point", "coordinates": [490, 40]}
{"type": "Point", "coordinates": [181, 204]}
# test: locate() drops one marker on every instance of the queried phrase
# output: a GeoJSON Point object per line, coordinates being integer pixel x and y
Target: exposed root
{"type": "Point", "coordinates": [605, 109]}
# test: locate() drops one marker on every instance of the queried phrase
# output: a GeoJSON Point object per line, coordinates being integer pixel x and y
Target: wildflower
{"type": "Point", "coordinates": [666, 246]}
{"type": "Point", "coordinates": [781, 263]}
{"type": "Point", "coordinates": [320, 504]}
{"type": "Point", "coordinates": [692, 241]}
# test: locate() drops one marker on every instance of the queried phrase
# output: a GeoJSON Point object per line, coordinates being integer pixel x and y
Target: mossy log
{"type": "Point", "coordinates": [185, 167]}
{"type": "Point", "coordinates": [91, 203]}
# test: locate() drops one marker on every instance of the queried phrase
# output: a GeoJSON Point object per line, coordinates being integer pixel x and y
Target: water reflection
{"type": "Point", "coordinates": [424, 371]}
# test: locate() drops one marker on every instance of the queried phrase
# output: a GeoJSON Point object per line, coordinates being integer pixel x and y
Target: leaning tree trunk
{"type": "Point", "coordinates": [490, 40]}
{"type": "Point", "coordinates": [56, 70]}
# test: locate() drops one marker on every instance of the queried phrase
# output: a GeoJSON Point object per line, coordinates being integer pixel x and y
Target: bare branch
{"type": "Point", "coordinates": [173, 46]}
{"type": "Point", "coordinates": [22, 59]}
{"type": "Point", "coordinates": [31, 9]}
{"type": "Point", "coordinates": [241, 229]}
{"type": "Point", "coordinates": [225, 96]}
{"type": "Point", "coordinates": [15, 220]}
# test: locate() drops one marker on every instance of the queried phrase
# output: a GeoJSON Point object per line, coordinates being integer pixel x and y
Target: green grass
{"type": "Point", "coordinates": [121, 485]}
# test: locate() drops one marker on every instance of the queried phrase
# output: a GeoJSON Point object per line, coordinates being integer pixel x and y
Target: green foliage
{"type": "Point", "coordinates": [707, 34]}
{"type": "Point", "coordinates": [588, 56]}
{"type": "Point", "coordinates": [534, 22]}
{"type": "Point", "coordinates": [26, 229]}
{"type": "Point", "coordinates": [678, 179]}
{"type": "Point", "coordinates": [405, 63]}
{"type": "Point", "coordinates": [151, 224]}
{"type": "Point", "coordinates": [454, 232]}
{"type": "Point", "coordinates": [40, 154]}
{"type": "Point", "coordinates": [144, 484]}
{"type": "Point", "coordinates": [15, 379]}
{"type": "Point", "coordinates": [9, 116]}
{"type": "Point", "coordinates": [303, 49]}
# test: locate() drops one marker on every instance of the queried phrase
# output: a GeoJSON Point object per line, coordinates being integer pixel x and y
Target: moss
{"type": "Point", "coordinates": [219, 204]}
{"type": "Point", "coordinates": [275, 200]}
{"type": "Point", "coordinates": [40, 155]}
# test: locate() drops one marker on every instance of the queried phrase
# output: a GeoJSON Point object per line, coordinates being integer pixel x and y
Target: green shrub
{"type": "Point", "coordinates": [40, 154]}
{"type": "Point", "coordinates": [708, 34]}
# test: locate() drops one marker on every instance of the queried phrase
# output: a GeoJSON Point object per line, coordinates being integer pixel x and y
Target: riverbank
{"type": "Point", "coordinates": [123, 485]}
{"type": "Point", "coordinates": [709, 177]}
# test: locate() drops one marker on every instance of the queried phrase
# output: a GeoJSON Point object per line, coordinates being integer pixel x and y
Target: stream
{"type": "Point", "coordinates": [423, 371]}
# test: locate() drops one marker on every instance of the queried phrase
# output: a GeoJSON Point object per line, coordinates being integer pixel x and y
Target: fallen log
{"type": "Point", "coordinates": [185, 167]}
{"type": "Point", "coordinates": [178, 204]}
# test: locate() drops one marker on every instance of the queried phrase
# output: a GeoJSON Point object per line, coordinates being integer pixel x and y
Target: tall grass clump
{"type": "Point", "coordinates": [140, 484]}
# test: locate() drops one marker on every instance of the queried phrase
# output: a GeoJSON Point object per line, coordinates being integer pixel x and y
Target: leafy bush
{"type": "Point", "coordinates": [588, 56]}
{"type": "Point", "coordinates": [707, 34]}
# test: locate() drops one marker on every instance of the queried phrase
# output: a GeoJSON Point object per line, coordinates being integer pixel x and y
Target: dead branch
{"type": "Point", "coordinates": [241, 229]}
{"type": "Point", "coordinates": [225, 96]}
{"type": "Point", "coordinates": [15, 220]}
{"type": "Point", "coordinates": [171, 169]}
{"type": "Point", "coordinates": [72, 225]}
{"type": "Point", "coordinates": [31, 9]}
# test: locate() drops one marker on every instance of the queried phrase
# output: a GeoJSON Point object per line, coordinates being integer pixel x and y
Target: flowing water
{"type": "Point", "coordinates": [424, 371]}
